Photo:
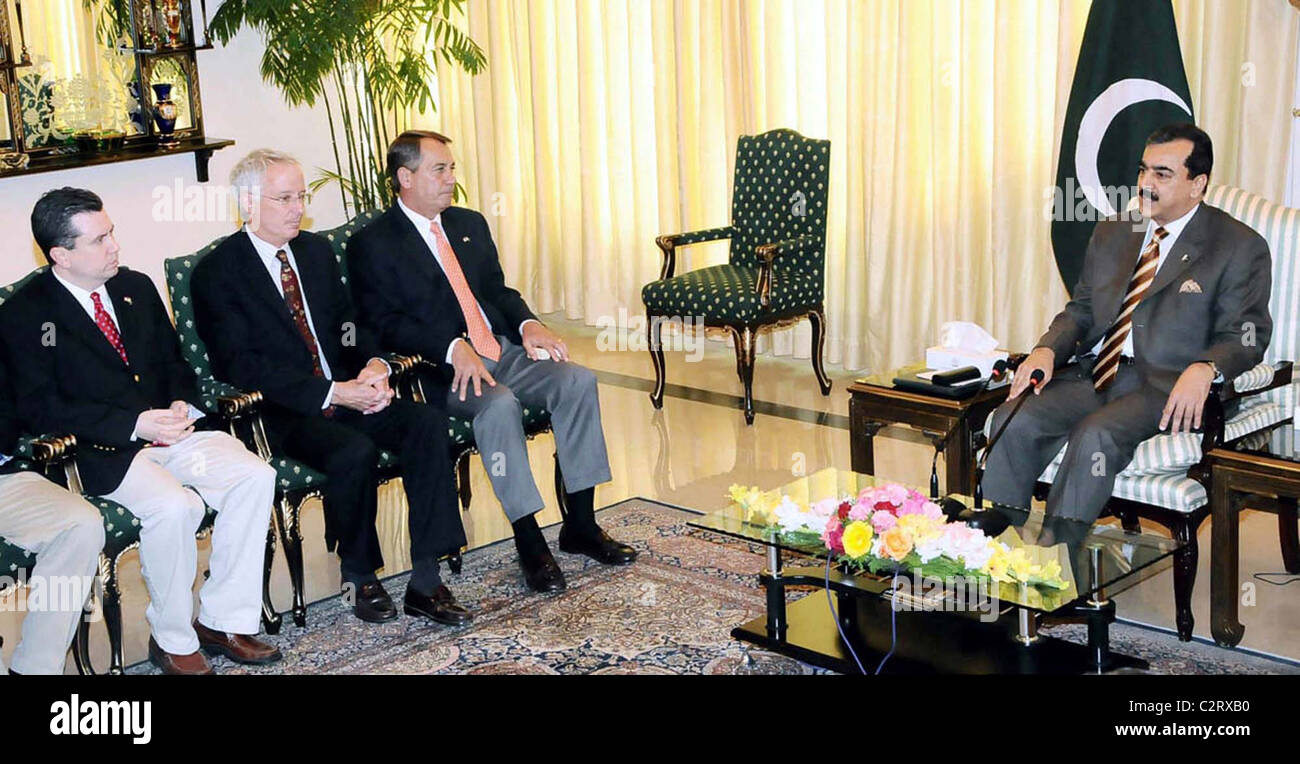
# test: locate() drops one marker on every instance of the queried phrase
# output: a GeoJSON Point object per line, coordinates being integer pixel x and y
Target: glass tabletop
{"type": "Point", "coordinates": [1091, 558]}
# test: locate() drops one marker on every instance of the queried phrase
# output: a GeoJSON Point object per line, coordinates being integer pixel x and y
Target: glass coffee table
{"type": "Point", "coordinates": [954, 626]}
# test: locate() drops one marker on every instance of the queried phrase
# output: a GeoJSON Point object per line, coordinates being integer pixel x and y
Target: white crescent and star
{"type": "Point", "coordinates": [1096, 121]}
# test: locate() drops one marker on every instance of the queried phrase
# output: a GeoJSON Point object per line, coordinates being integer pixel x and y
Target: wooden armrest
{"type": "Point", "coordinates": [769, 252]}
{"type": "Point", "coordinates": [1225, 391]}
{"type": "Point", "coordinates": [668, 244]}
{"type": "Point", "coordinates": [51, 450]}
{"type": "Point", "coordinates": [238, 405]}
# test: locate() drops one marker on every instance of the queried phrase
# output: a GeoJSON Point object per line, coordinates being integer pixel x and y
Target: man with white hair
{"type": "Point", "coordinates": [273, 309]}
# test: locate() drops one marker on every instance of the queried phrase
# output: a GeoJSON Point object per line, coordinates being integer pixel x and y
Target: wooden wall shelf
{"type": "Point", "coordinates": [201, 148]}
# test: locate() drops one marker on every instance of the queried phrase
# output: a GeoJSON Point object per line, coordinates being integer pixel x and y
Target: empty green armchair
{"type": "Point", "coordinates": [776, 268]}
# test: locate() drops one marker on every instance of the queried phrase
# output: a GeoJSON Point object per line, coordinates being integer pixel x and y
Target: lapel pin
{"type": "Point", "coordinates": [127, 300]}
{"type": "Point", "coordinates": [1186, 258]}
{"type": "Point", "coordinates": [465, 239]}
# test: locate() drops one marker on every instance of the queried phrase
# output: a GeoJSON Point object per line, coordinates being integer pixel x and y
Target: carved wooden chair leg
{"type": "Point", "coordinates": [654, 341]}
{"type": "Point", "coordinates": [462, 479]}
{"type": "Point", "coordinates": [559, 490]}
{"type": "Point", "coordinates": [81, 640]}
{"type": "Point", "coordinates": [818, 321]}
{"type": "Point", "coordinates": [113, 619]}
{"type": "Point", "coordinates": [745, 342]}
{"type": "Point", "coordinates": [1128, 519]}
{"type": "Point", "coordinates": [1287, 531]}
{"type": "Point", "coordinates": [455, 562]}
{"type": "Point", "coordinates": [271, 620]}
{"type": "Point", "coordinates": [1185, 560]}
{"type": "Point", "coordinates": [291, 537]}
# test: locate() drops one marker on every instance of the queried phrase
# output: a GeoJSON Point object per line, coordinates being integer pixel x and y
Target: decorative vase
{"type": "Point", "coordinates": [164, 115]}
{"type": "Point", "coordinates": [169, 13]}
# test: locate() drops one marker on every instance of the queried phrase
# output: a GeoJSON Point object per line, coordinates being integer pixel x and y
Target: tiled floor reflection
{"type": "Point", "coordinates": [688, 453]}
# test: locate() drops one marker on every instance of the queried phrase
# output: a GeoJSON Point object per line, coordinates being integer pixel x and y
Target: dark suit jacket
{"type": "Point", "coordinates": [67, 378]}
{"type": "Point", "coordinates": [10, 428]}
{"type": "Point", "coordinates": [1226, 322]}
{"type": "Point", "coordinates": [252, 340]}
{"type": "Point", "coordinates": [403, 296]}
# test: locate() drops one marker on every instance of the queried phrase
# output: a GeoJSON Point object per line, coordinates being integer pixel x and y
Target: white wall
{"type": "Point", "coordinates": [236, 105]}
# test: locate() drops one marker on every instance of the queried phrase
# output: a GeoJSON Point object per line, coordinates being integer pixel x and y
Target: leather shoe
{"type": "Point", "coordinates": [441, 606]}
{"type": "Point", "coordinates": [542, 573]}
{"type": "Point", "coordinates": [600, 547]}
{"type": "Point", "coordinates": [193, 664]}
{"type": "Point", "coordinates": [373, 603]}
{"type": "Point", "coordinates": [240, 648]}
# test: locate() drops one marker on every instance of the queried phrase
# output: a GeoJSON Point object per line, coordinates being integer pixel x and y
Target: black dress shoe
{"type": "Point", "coordinates": [441, 606]}
{"type": "Point", "coordinates": [600, 547]}
{"type": "Point", "coordinates": [542, 573]}
{"type": "Point", "coordinates": [373, 603]}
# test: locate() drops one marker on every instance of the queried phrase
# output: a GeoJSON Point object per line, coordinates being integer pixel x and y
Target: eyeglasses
{"type": "Point", "coordinates": [284, 200]}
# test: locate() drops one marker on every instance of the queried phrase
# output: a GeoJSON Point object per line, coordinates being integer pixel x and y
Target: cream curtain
{"type": "Point", "coordinates": [600, 124]}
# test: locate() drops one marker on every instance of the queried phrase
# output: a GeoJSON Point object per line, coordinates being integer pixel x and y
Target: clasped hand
{"type": "Point", "coordinates": [165, 426]}
{"type": "Point", "coordinates": [369, 393]}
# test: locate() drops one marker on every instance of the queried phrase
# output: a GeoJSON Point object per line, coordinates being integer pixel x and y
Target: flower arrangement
{"type": "Point", "coordinates": [889, 526]}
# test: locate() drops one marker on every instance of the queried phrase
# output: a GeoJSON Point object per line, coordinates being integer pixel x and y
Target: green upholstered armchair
{"type": "Point", "coordinates": [776, 267]}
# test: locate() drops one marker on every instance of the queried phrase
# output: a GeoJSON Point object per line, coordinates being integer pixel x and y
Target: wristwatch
{"type": "Point", "coordinates": [1213, 367]}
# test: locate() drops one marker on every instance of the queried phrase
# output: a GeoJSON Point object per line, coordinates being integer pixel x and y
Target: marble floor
{"type": "Point", "coordinates": [688, 453]}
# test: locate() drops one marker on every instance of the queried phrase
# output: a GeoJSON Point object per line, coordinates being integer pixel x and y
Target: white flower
{"type": "Point", "coordinates": [791, 517]}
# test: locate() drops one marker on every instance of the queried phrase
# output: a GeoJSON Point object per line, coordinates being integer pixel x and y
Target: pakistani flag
{"type": "Point", "coordinates": [1130, 81]}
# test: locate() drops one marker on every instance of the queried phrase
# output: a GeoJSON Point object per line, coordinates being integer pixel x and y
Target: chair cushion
{"type": "Point", "coordinates": [14, 562]}
{"type": "Point", "coordinates": [179, 271]}
{"type": "Point", "coordinates": [1175, 454]}
{"type": "Point", "coordinates": [726, 293]}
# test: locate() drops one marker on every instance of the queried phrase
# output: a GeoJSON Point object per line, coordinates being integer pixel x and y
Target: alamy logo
{"type": "Point", "coordinates": [103, 717]}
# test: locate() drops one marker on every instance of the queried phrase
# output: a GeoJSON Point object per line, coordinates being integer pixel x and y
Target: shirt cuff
{"type": "Point", "coordinates": [526, 322]}
{"type": "Point", "coordinates": [328, 397]}
{"type": "Point", "coordinates": [452, 347]}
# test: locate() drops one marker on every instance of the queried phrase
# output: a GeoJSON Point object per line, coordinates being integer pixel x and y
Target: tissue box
{"type": "Point", "coordinates": [943, 359]}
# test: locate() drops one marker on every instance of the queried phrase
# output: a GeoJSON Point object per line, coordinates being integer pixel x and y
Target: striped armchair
{"type": "Point", "coordinates": [1168, 480]}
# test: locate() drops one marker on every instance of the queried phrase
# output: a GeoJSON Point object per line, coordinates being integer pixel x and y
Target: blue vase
{"type": "Point", "coordinates": [136, 114]}
{"type": "Point", "coordinates": [164, 114]}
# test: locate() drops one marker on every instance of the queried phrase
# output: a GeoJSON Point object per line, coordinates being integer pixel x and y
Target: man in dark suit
{"type": "Point", "coordinates": [428, 281]}
{"type": "Point", "coordinates": [64, 532]}
{"type": "Point", "coordinates": [1160, 311]}
{"type": "Point", "coordinates": [276, 317]}
{"type": "Point", "coordinates": [93, 353]}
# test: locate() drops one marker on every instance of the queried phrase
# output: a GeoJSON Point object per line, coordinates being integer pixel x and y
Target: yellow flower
{"type": "Point", "coordinates": [895, 543]}
{"type": "Point", "coordinates": [919, 527]}
{"type": "Point", "coordinates": [857, 539]}
{"type": "Point", "coordinates": [1019, 565]}
{"type": "Point", "coordinates": [1051, 571]}
{"type": "Point", "coordinates": [997, 566]}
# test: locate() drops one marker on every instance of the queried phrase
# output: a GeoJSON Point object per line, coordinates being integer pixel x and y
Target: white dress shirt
{"type": "Point", "coordinates": [82, 297]}
{"type": "Point", "coordinates": [1173, 229]}
{"type": "Point", "coordinates": [425, 228]}
{"type": "Point", "coordinates": [266, 253]}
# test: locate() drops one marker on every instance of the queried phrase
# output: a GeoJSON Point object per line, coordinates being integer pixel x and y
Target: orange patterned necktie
{"type": "Point", "coordinates": [1107, 366]}
{"type": "Point", "coordinates": [480, 336]}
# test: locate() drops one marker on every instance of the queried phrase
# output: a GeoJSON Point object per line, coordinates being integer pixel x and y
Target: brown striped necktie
{"type": "Point", "coordinates": [1107, 366]}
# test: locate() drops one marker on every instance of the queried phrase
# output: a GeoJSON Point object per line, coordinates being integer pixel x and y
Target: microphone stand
{"type": "Point", "coordinates": [999, 369]}
{"type": "Point", "coordinates": [1035, 380]}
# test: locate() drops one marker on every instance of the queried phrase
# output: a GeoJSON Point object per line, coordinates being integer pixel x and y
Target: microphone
{"type": "Point", "coordinates": [999, 370]}
{"type": "Point", "coordinates": [1035, 380]}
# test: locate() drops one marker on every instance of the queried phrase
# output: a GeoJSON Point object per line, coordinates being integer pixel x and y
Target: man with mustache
{"type": "Point", "coordinates": [1160, 312]}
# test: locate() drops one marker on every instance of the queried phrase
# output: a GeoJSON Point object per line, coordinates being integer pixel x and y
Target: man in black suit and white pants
{"type": "Point", "coordinates": [428, 281]}
{"type": "Point", "coordinates": [276, 317]}
{"type": "Point", "coordinates": [93, 353]}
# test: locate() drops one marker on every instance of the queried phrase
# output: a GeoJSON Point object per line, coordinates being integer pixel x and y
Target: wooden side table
{"type": "Point", "coordinates": [1264, 479]}
{"type": "Point", "coordinates": [875, 403]}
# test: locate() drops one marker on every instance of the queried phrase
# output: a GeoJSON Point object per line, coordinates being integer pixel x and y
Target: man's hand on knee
{"type": "Point", "coordinates": [1039, 359]}
{"type": "Point", "coordinates": [1187, 400]}
{"type": "Point", "coordinates": [469, 369]}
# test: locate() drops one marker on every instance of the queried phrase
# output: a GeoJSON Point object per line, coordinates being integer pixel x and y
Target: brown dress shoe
{"type": "Point", "coordinates": [182, 665]}
{"type": "Point", "coordinates": [239, 648]}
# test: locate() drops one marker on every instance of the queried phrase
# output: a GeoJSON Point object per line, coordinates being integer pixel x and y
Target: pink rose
{"type": "Point", "coordinates": [883, 521]}
{"type": "Point", "coordinates": [860, 511]}
{"type": "Point", "coordinates": [833, 535]}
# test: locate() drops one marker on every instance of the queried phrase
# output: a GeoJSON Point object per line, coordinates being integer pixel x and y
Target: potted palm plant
{"type": "Point", "coordinates": [369, 61]}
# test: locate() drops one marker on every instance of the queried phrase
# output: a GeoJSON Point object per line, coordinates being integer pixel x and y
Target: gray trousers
{"type": "Point", "coordinates": [568, 391]}
{"type": "Point", "coordinates": [1100, 432]}
{"type": "Point", "coordinates": [65, 533]}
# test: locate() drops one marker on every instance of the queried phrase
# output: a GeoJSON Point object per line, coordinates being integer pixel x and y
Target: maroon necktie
{"type": "Point", "coordinates": [106, 325]}
{"type": "Point", "coordinates": [293, 299]}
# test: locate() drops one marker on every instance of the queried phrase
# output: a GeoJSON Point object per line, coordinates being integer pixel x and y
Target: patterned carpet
{"type": "Point", "coordinates": [670, 613]}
